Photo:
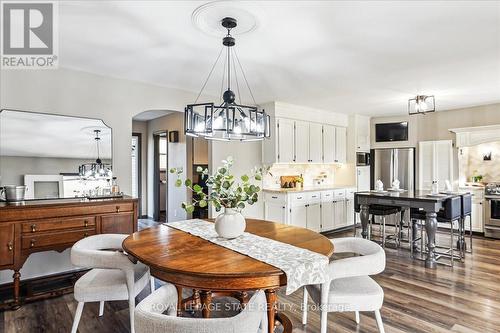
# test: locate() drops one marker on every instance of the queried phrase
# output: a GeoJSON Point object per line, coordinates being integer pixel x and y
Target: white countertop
{"type": "Point", "coordinates": [306, 189]}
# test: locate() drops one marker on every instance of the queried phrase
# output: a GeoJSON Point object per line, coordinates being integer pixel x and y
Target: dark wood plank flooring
{"type": "Point", "coordinates": [464, 299]}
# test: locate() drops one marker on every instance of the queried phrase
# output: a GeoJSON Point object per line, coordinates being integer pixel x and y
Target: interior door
{"type": "Point", "coordinates": [301, 142]}
{"type": "Point", "coordinates": [425, 164]}
{"type": "Point", "coordinates": [285, 140]}
{"type": "Point", "coordinates": [328, 144]}
{"type": "Point", "coordinates": [315, 143]}
{"type": "Point", "coordinates": [443, 162]}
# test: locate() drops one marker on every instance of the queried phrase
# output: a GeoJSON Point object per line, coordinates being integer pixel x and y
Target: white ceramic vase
{"type": "Point", "coordinates": [230, 224]}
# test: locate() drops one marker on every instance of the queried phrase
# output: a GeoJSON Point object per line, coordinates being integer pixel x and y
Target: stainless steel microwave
{"type": "Point", "coordinates": [363, 159]}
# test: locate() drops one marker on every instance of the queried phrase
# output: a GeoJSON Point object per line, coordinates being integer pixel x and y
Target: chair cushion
{"type": "Point", "coordinates": [108, 284]}
{"type": "Point", "coordinates": [359, 293]}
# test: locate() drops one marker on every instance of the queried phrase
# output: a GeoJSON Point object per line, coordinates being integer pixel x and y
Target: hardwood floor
{"type": "Point", "coordinates": [464, 299]}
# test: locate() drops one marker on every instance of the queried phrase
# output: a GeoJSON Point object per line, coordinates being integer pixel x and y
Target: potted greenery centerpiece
{"type": "Point", "coordinates": [224, 193]}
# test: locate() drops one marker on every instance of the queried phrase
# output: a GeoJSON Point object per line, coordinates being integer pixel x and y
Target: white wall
{"type": "Point", "coordinates": [246, 155]}
{"type": "Point", "coordinates": [76, 93]}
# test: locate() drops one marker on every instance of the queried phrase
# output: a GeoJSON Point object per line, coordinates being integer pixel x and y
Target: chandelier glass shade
{"type": "Point", "coordinates": [97, 169]}
{"type": "Point", "coordinates": [227, 120]}
{"type": "Point", "coordinates": [421, 104]}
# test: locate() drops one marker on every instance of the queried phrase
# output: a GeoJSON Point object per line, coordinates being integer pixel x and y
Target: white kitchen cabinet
{"type": "Point", "coordinates": [285, 137]}
{"type": "Point", "coordinates": [477, 216]}
{"type": "Point", "coordinates": [435, 163]}
{"type": "Point", "coordinates": [315, 143]}
{"type": "Point", "coordinates": [275, 212]}
{"type": "Point", "coordinates": [328, 144]}
{"type": "Point", "coordinates": [301, 142]}
{"type": "Point", "coordinates": [340, 145]}
{"type": "Point", "coordinates": [362, 133]}
{"type": "Point", "coordinates": [363, 178]}
{"type": "Point", "coordinates": [339, 214]}
{"type": "Point", "coordinates": [327, 216]}
{"type": "Point", "coordinates": [298, 216]}
{"type": "Point", "coordinates": [314, 217]}
{"type": "Point", "coordinates": [349, 206]}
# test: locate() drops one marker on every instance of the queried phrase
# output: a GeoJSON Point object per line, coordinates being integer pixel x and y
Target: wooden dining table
{"type": "Point", "coordinates": [188, 261]}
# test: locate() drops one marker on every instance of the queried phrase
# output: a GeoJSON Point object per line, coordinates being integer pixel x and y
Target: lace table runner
{"type": "Point", "coordinates": [301, 266]}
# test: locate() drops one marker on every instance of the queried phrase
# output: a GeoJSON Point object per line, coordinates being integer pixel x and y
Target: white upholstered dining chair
{"type": "Point", "coordinates": [157, 314]}
{"type": "Point", "coordinates": [112, 276]}
{"type": "Point", "coordinates": [350, 287]}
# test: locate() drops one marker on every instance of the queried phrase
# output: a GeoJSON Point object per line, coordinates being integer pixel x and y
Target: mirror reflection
{"type": "Point", "coordinates": [46, 156]}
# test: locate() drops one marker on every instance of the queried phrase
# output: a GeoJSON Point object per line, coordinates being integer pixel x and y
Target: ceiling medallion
{"type": "Point", "coordinates": [228, 119]}
{"type": "Point", "coordinates": [421, 104]}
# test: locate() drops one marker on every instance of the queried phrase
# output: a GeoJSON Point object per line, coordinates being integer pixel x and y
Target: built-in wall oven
{"type": "Point", "coordinates": [492, 212]}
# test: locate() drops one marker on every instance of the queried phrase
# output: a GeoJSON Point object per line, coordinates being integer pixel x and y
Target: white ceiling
{"type": "Point", "coordinates": [151, 114]}
{"type": "Point", "coordinates": [364, 57]}
{"type": "Point", "coordinates": [43, 135]}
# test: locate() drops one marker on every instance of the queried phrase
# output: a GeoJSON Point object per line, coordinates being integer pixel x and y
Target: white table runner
{"type": "Point", "coordinates": [301, 266]}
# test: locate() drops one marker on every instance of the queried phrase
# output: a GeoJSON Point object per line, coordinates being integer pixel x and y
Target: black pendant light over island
{"type": "Point", "coordinates": [228, 119]}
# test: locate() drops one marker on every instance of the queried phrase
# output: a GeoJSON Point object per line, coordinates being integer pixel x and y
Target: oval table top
{"type": "Point", "coordinates": [171, 251]}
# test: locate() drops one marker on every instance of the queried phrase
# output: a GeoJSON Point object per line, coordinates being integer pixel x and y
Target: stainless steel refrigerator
{"type": "Point", "coordinates": [393, 163]}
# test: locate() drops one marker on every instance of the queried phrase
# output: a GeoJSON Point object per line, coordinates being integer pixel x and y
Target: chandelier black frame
{"type": "Point", "coordinates": [96, 169]}
{"type": "Point", "coordinates": [421, 104]}
{"type": "Point", "coordinates": [229, 120]}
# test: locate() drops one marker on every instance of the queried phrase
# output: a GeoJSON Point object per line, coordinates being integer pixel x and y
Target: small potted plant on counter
{"type": "Point", "coordinates": [299, 181]}
{"type": "Point", "coordinates": [224, 193]}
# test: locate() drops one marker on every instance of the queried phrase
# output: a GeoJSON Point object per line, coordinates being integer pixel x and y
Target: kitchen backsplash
{"type": "Point", "coordinates": [312, 174]}
{"type": "Point", "coordinates": [472, 163]}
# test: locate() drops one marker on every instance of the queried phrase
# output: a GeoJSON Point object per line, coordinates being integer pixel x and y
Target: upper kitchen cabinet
{"type": "Point", "coordinates": [362, 133]}
{"type": "Point", "coordinates": [304, 135]}
{"type": "Point", "coordinates": [315, 143]}
{"type": "Point", "coordinates": [301, 142]}
{"type": "Point", "coordinates": [328, 144]}
{"type": "Point", "coordinates": [340, 145]}
{"type": "Point", "coordinates": [435, 163]}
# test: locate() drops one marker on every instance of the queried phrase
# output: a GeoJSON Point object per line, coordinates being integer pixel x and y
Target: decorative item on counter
{"type": "Point", "coordinates": [395, 184]}
{"type": "Point", "coordinates": [288, 181]}
{"type": "Point", "coordinates": [435, 187]}
{"type": "Point", "coordinates": [225, 193]}
{"type": "Point", "coordinates": [12, 193]}
{"type": "Point", "coordinates": [379, 186]}
{"type": "Point", "coordinates": [477, 178]}
{"type": "Point", "coordinates": [115, 189]}
{"type": "Point", "coordinates": [447, 186]}
{"type": "Point", "coordinates": [299, 181]}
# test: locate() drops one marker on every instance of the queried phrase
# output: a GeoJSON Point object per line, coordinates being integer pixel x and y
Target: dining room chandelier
{"type": "Point", "coordinates": [229, 119]}
{"type": "Point", "coordinates": [97, 169]}
{"type": "Point", "coordinates": [421, 104]}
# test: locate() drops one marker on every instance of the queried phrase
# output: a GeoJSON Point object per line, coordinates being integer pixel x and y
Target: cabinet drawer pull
{"type": "Point", "coordinates": [117, 209]}
{"type": "Point", "coordinates": [86, 223]}
{"type": "Point", "coordinates": [86, 234]}
{"type": "Point", "coordinates": [32, 243]}
{"type": "Point", "coordinates": [33, 228]}
{"type": "Point", "coordinates": [274, 197]}
{"type": "Point", "coordinates": [299, 198]}
{"type": "Point", "coordinates": [10, 246]}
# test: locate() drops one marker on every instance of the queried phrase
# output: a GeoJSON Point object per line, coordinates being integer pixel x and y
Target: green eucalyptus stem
{"type": "Point", "coordinates": [224, 191]}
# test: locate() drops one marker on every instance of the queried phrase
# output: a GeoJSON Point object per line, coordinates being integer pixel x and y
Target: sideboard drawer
{"type": "Point", "coordinates": [54, 238]}
{"type": "Point", "coordinates": [58, 224]}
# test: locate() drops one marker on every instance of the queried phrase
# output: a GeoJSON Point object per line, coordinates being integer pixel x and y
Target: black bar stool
{"type": "Point", "coordinates": [383, 212]}
{"type": "Point", "coordinates": [466, 212]}
{"type": "Point", "coordinates": [452, 213]}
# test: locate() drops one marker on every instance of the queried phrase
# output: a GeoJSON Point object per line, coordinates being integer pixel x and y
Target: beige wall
{"type": "Point", "coordinates": [69, 92]}
{"type": "Point", "coordinates": [142, 128]}
{"type": "Point", "coordinates": [435, 126]}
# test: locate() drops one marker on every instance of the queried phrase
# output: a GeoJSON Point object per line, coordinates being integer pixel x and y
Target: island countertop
{"type": "Point", "coordinates": [306, 189]}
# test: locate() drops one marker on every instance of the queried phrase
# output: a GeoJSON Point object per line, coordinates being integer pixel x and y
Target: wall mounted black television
{"type": "Point", "coordinates": [388, 132]}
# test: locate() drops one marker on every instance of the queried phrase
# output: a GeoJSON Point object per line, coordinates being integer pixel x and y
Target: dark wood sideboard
{"type": "Point", "coordinates": [44, 225]}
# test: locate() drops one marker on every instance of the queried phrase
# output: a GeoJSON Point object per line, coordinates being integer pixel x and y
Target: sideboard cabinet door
{"type": "Point", "coordinates": [6, 244]}
{"type": "Point", "coordinates": [119, 223]}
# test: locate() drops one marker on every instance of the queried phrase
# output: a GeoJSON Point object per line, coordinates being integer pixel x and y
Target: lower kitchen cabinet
{"type": "Point", "coordinates": [275, 212]}
{"type": "Point", "coordinates": [314, 216]}
{"type": "Point", "coordinates": [327, 216]}
{"type": "Point", "coordinates": [339, 218]}
{"type": "Point", "coordinates": [298, 216]}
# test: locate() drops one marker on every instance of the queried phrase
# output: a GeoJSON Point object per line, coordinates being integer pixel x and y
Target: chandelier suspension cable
{"type": "Point", "coordinates": [223, 78]}
{"type": "Point", "coordinates": [244, 76]}
{"type": "Point", "coordinates": [237, 83]}
{"type": "Point", "coordinates": [209, 74]}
